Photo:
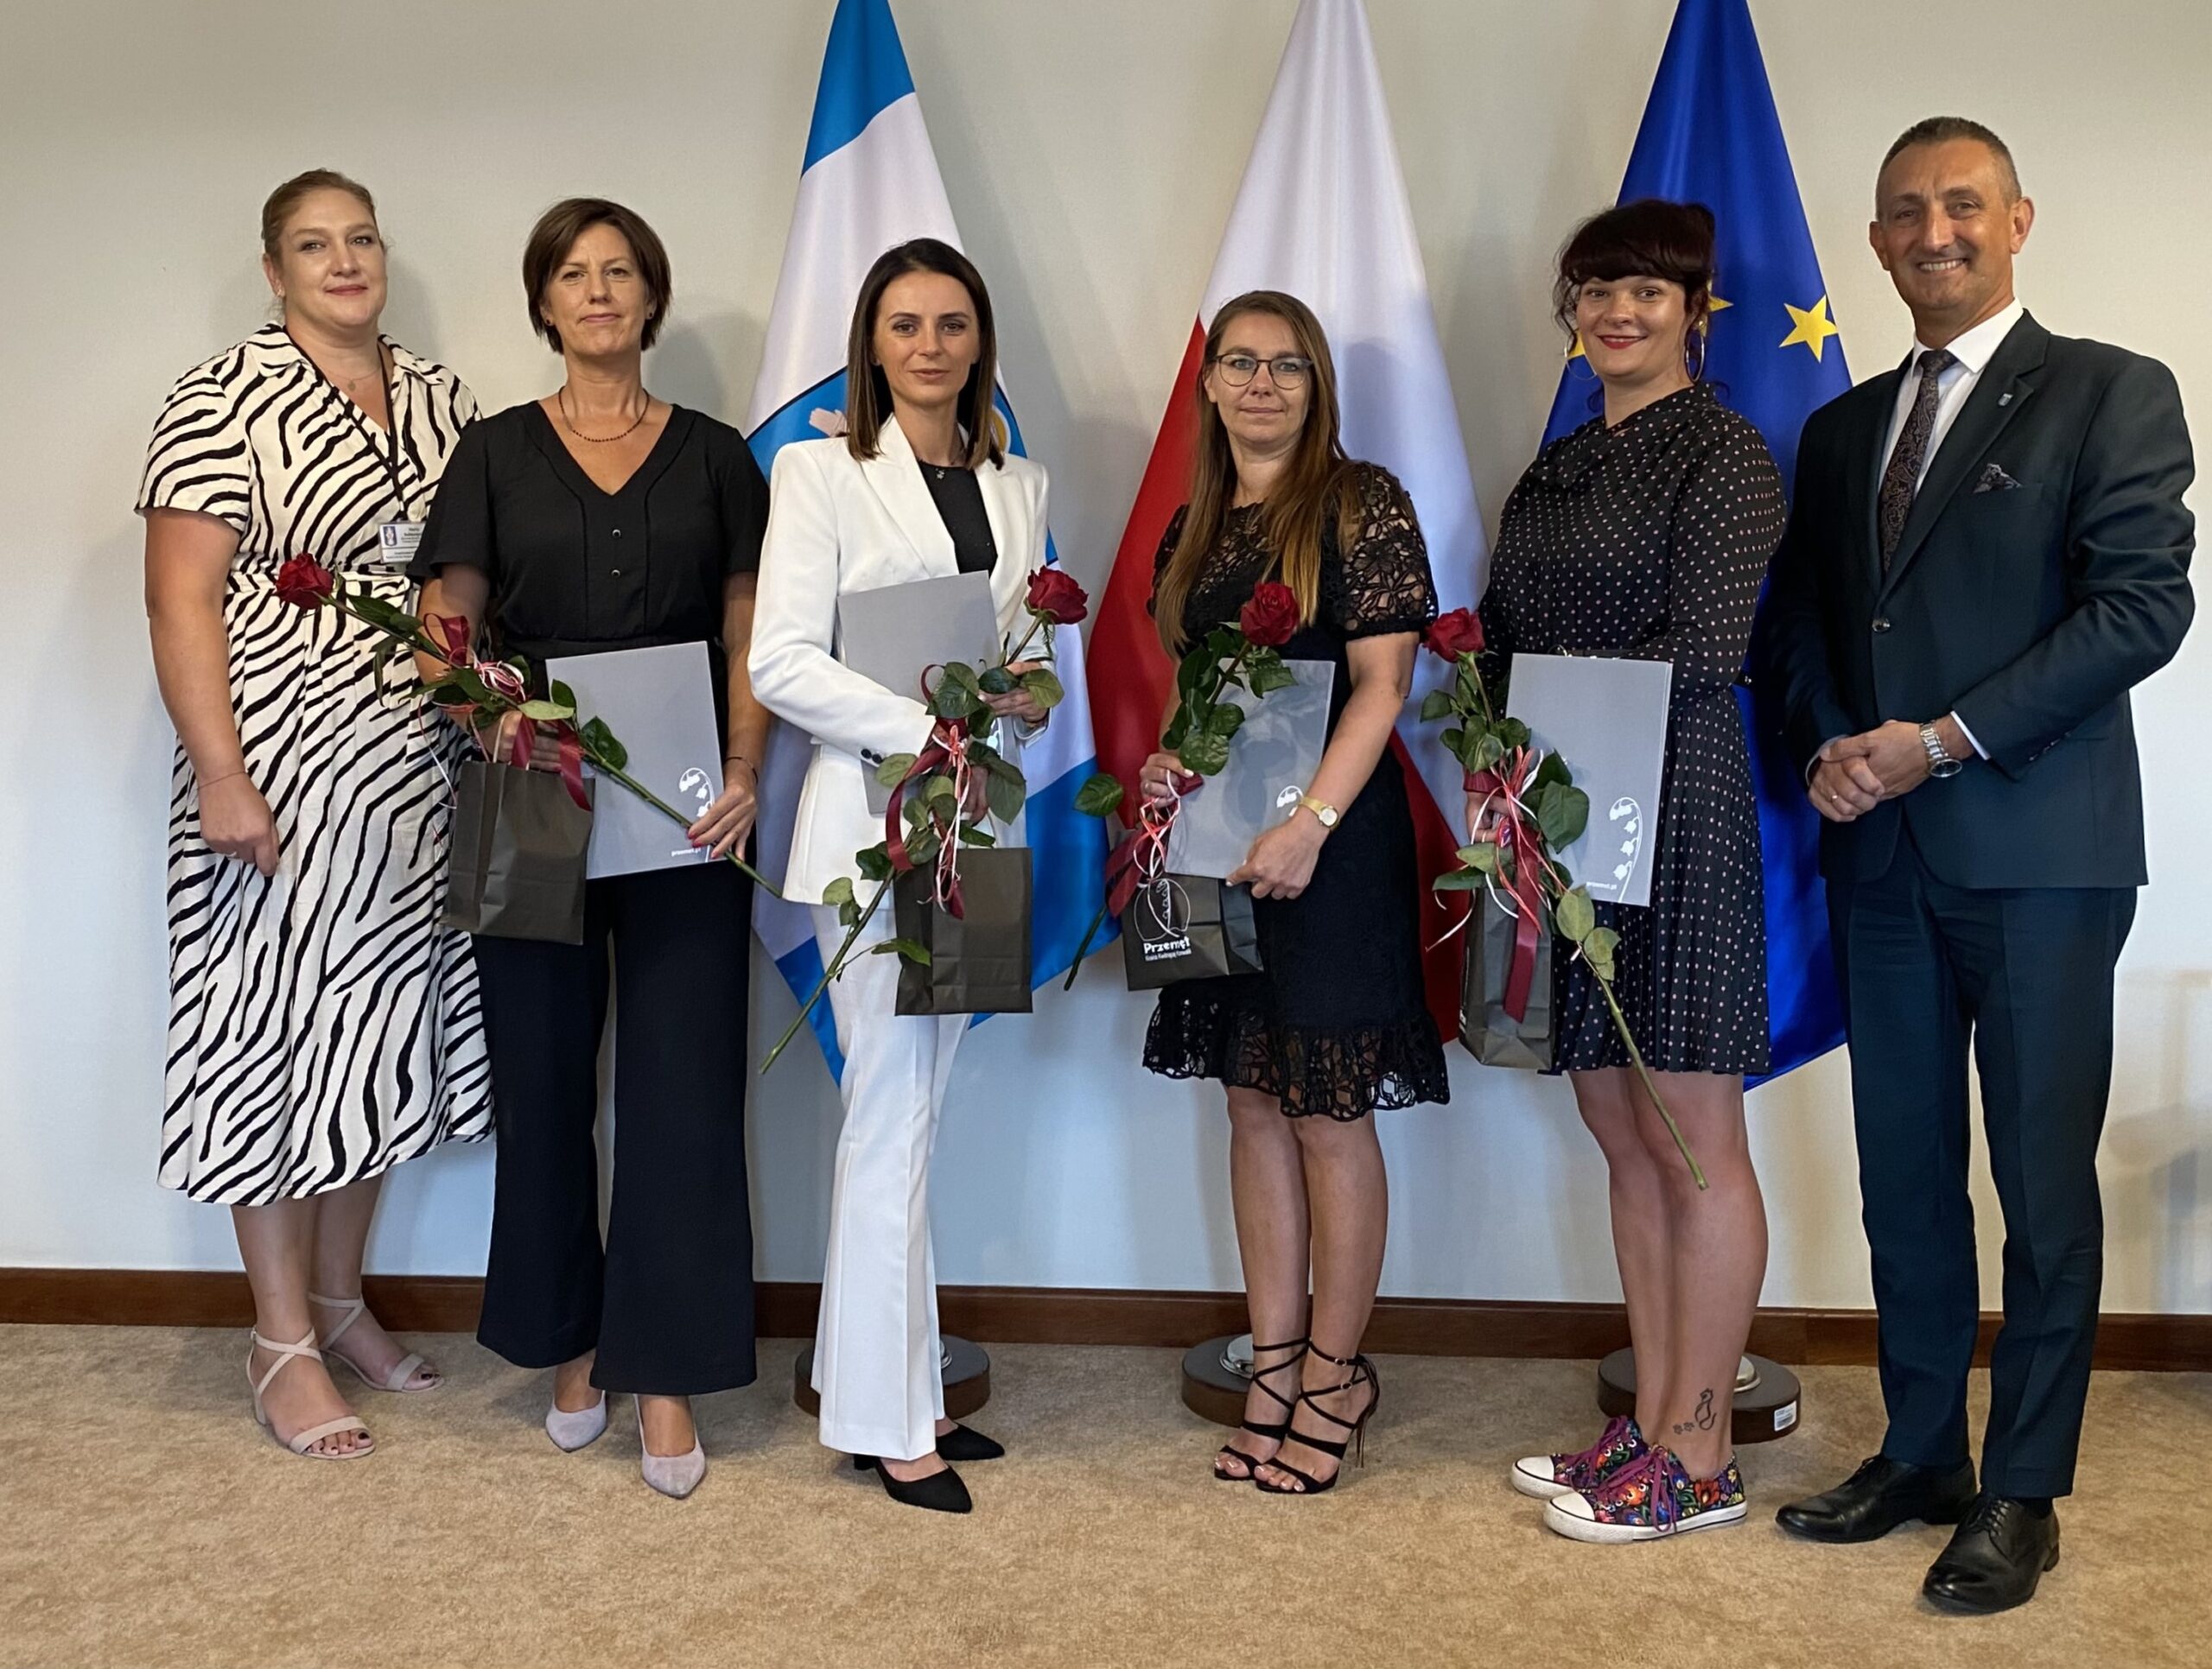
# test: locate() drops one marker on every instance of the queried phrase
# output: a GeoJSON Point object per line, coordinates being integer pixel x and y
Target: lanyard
{"type": "Point", "coordinates": [387, 454]}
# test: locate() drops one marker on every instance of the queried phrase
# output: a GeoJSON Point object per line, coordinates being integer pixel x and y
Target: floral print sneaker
{"type": "Point", "coordinates": [1547, 1475]}
{"type": "Point", "coordinates": [1647, 1499]}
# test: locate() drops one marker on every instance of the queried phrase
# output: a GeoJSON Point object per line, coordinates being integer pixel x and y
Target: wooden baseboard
{"type": "Point", "coordinates": [1040, 1315]}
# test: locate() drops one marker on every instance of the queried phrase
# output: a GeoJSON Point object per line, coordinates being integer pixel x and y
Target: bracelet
{"type": "Point", "coordinates": [206, 783]}
{"type": "Point", "coordinates": [738, 759]}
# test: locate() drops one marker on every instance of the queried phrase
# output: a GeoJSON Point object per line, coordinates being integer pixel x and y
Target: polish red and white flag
{"type": "Point", "coordinates": [1322, 214]}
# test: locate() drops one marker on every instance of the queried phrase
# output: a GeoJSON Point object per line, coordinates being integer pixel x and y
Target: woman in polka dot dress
{"type": "Point", "coordinates": [1645, 534]}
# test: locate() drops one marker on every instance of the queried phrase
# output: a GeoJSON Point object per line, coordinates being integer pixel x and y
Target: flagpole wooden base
{"type": "Point", "coordinates": [1212, 1389]}
{"type": "Point", "coordinates": [1768, 1410]}
{"type": "Point", "coordinates": [967, 1380]}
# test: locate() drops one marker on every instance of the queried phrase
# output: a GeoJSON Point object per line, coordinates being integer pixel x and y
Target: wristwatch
{"type": "Point", "coordinates": [1939, 761]}
{"type": "Point", "coordinates": [1326, 814]}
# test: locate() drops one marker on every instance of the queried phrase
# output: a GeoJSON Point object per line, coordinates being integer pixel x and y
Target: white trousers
{"type": "Point", "coordinates": [877, 1358]}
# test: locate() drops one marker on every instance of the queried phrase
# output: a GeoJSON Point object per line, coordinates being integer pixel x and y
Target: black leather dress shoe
{"type": "Point", "coordinates": [961, 1443]}
{"type": "Point", "coordinates": [1995, 1558]}
{"type": "Point", "coordinates": [940, 1492]}
{"type": "Point", "coordinates": [1879, 1497]}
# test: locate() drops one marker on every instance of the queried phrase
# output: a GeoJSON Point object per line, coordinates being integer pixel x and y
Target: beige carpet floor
{"type": "Point", "coordinates": [143, 1521]}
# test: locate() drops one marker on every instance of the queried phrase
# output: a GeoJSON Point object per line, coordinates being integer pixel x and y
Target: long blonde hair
{"type": "Point", "coordinates": [1313, 487]}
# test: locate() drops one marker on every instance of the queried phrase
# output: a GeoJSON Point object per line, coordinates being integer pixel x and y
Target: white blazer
{"type": "Point", "coordinates": [837, 525]}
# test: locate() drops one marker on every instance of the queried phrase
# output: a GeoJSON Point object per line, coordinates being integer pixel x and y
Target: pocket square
{"type": "Point", "coordinates": [1994, 480]}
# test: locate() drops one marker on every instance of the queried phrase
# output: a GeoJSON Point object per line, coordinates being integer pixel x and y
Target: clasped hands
{"type": "Point", "coordinates": [1854, 774]}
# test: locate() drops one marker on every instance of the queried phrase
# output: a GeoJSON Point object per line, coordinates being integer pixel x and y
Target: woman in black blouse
{"type": "Point", "coordinates": [1645, 534]}
{"type": "Point", "coordinates": [602, 518]}
{"type": "Point", "coordinates": [1335, 1025]}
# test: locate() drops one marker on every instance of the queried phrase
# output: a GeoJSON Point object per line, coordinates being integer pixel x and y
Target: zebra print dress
{"type": "Point", "coordinates": [322, 1027]}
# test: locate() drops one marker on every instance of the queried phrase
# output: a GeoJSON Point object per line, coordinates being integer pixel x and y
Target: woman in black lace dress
{"type": "Point", "coordinates": [1334, 1025]}
{"type": "Point", "coordinates": [1645, 534]}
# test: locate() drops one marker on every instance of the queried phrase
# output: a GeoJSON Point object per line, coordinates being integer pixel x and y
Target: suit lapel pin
{"type": "Point", "coordinates": [2005, 398]}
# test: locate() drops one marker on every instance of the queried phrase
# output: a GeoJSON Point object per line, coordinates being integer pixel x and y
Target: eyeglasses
{"type": "Point", "coordinates": [1284, 371]}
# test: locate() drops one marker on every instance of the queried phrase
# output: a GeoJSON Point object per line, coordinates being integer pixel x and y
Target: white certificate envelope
{"type": "Point", "coordinates": [895, 633]}
{"type": "Point", "coordinates": [1272, 761]}
{"type": "Point", "coordinates": [1608, 720]}
{"type": "Point", "coordinates": [660, 704]}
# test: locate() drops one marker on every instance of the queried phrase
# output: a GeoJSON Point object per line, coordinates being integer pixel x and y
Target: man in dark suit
{"type": "Point", "coordinates": [1987, 548]}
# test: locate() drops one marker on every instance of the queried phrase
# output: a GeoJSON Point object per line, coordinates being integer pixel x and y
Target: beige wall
{"type": "Point", "coordinates": [1090, 151]}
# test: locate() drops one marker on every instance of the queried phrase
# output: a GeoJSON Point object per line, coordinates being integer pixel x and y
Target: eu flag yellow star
{"type": "Point", "coordinates": [1812, 327]}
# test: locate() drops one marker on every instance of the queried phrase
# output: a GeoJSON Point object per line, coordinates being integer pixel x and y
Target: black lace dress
{"type": "Point", "coordinates": [1649, 541]}
{"type": "Point", "coordinates": [1335, 1023]}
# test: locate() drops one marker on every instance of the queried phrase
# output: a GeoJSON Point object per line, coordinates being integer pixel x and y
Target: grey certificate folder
{"type": "Point", "coordinates": [660, 704]}
{"type": "Point", "coordinates": [1607, 718]}
{"type": "Point", "coordinates": [894, 634]}
{"type": "Point", "coordinates": [1272, 761]}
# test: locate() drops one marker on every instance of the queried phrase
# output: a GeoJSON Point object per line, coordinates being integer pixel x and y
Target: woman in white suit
{"type": "Point", "coordinates": [918, 487]}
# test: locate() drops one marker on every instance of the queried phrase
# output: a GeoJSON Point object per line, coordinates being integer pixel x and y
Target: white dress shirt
{"type": "Point", "coordinates": [1971, 353]}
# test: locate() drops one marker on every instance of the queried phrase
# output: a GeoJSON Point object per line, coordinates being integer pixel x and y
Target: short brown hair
{"type": "Point", "coordinates": [868, 390]}
{"type": "Point", "coordinates": [1939, 130]}
{"type": "Point", "coordinates": [294, 191]}
{"type": "Point", "coordinates": [1650, 237]}
{"type": "Point", "coordinates": [555, 234]}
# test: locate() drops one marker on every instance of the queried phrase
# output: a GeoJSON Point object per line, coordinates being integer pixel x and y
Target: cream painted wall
{"type": "Point", "coordinates": [1090, 150]}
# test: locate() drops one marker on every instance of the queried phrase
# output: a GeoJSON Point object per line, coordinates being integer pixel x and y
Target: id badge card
{"type": "Point", "coordinates": [396, 543]}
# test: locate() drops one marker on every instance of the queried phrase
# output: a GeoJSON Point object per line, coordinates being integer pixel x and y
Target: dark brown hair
{"type": "Point", "coordinates": [1937, 130]}
{"type": "Point", "coordinates": [868, 391]}
{"type": "Point", "coordinates": [294, 191]}
{"type": "Point", "coordinates": [555, 234]}
{"type": "Point", "coordinates": [1313, 489]}
{"type": "Point", "coordinates": [1650, 237]}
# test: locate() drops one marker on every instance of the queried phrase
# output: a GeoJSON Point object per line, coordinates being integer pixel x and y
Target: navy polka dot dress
{"type": "Point", "coordinates": [1649, 541]}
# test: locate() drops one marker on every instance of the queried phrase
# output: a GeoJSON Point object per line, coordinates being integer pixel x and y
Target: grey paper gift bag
{"type": "Point", "coordinates": [517, 862]}
{"type": "Point", "coordinates": [1187, 927]}
{"type": "Point", "coordinates": [1493, 1035]}
{"type": "Point", "coordinates": [979, 961]}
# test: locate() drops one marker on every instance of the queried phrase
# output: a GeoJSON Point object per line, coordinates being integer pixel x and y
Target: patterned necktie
{"type": "Point", "coordinates": [1902, 479]}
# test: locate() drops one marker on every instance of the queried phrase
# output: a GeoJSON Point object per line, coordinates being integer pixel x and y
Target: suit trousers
{"type": "Point", "coordinates": [2022, 978]}
{"type": "Point", "coordinates": [667, 1298]}
{"type": "Point", "coordinates": [878, 1359]}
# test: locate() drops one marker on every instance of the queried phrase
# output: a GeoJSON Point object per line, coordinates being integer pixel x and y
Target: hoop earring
{"type": "Point", "coordinates": [1702, 336]}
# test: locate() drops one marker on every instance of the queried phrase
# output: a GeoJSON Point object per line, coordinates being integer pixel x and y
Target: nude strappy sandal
{"type": "Point", "coordinates": [405, 1370]}
{"type": "Point", "coordinates": [303, 1443]}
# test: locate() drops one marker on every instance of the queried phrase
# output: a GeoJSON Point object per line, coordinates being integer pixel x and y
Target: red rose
{"type": "Point", "coordinates": [1054, 594]}
{"type": "Point", "coordinates": [304, 583]}
{"type": "Point", "coordinates": [1271, 615]}
{"type": "Point", "coordinates": [1460, 633]}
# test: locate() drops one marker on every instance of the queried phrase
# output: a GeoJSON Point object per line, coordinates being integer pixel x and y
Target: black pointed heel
{"type": "Point", "coordinates": [1361, 1372]}
{"type": "Point", "coordinates": [940, 1492]}
{"type": "Point", "coordinates": [961, 1443]}
{"type": "Point", "coordinates": [1275, 1434]}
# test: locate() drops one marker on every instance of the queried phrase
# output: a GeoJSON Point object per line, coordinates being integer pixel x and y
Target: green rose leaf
{"type": "Point", "coordinates": [907, 948]}
{"type": "Point", "coordinates": [893, 771]}
{"type": "Point", "coordinates": [1488, 750]}
{"type": "Point", "coordinates": [1575, 915]}
{"type": "Point", "coordinates": [1101, 797]}
{"type": "Point", "coordinates": [938, 790]}
{"type": "Point", "coordinates": [997, 682]}
{"type": "Point", "coordinates": [1205, 753]}
{"type": "Point", "coordinates": [1482, 856]}
{"type": "Point", "coordinates": [1514, 735]}
{"type": "Point", "coordinates": [561, 693]}
{"type": "Point", "coordinates": [1456, 880]}
{"type": "Point", "coordinates": [1269, 675]}
{"type": "Point", "coordinates": [971, 836]}
{"type": "Point", "coordinates": [1044, 684]}
{"type": "Point", "coordinates": [546, 712]}
{"type": "Point", "coordinates": [1226, 721]}
{"type": "Point", "coordinates": [1562, 813]}
{"type": "Point", "coordinates": [1006, 795]}
{"type": "Point", "coordinates": [1437, 704]}
{"type": "Point", "coordinates": [838, 892]}
{"type": "Point", "coordinates": [874, 865]}
{"type": "Point", "coordinates": [601, 745]}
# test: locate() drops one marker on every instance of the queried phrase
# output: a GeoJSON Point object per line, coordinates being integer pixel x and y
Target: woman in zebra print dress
{"type": "Point", "coordinates": [322, 1027]}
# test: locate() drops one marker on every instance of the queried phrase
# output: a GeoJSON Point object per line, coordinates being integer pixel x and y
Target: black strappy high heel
{"type": "Point", "coordinates": [1275, 1434]}
{"type": "Point", "coordinates": [1362, 1373]}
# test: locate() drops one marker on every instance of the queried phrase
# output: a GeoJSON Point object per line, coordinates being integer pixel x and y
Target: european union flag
{"type": "Point", "coordinates": [1711, 136]}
